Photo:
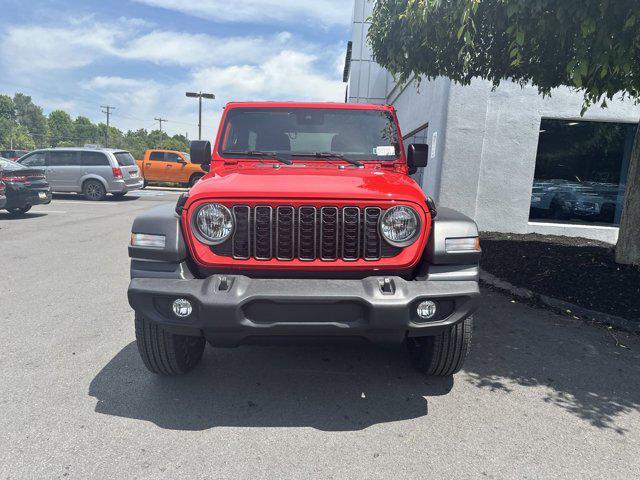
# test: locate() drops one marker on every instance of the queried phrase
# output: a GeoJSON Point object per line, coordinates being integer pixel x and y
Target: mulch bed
{"type": "Point", "coordinates": [576, 270]}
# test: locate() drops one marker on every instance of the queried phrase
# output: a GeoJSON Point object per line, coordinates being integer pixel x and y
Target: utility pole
{"type": "Point", "coordinates": [200, 96]}
{"type": "Point", "coordinates": [160, 120]}
{"type": "Point", "coordinates": [107, 110]}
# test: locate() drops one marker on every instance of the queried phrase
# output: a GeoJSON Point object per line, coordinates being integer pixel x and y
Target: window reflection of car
{"type": "Point", "coordinates": [565, 199]}
{"type": "Point", "coordinates": [552, 198]}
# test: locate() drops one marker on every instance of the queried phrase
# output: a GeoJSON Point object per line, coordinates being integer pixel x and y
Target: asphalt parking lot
{"type": "Point", "coordinates": [540, 396]}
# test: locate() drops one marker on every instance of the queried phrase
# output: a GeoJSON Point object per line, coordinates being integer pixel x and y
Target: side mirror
{"type": "Point", "coordinates": [200, 151]}
{"type": "Point", "coordinates": [417, 157]}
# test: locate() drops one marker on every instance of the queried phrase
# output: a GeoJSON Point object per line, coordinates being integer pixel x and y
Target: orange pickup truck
{"type": "Point", "coordinates": [169, 166]}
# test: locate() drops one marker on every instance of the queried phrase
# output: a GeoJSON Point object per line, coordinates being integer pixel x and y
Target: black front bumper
{"type": "Point", "coordinates": [234, 309]}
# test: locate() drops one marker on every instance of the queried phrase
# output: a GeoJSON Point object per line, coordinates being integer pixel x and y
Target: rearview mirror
{"type": "Point", "coordinates": [200, 151]}
{"type": "Point", "coordinates": [417, 157]}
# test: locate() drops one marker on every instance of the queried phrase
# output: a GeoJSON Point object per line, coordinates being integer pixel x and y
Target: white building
{"type": "Point", "coordinates": [496, 153]}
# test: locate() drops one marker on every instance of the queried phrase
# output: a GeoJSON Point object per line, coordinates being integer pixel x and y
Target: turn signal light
{"type": "Point", "coordinates": [146, 240]}
{"type": "Point", "coordinates": [468, 244]}
{"type": "Point", "coordinates": [117, 173]}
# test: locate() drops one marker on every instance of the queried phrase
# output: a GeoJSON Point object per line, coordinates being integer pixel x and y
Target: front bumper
{"type": "Point", "coordinates": [233, 309]}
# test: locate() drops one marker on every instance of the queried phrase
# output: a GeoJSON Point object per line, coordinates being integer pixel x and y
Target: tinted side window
{"type": "Point", "coordinates": [173, 157]}
{"type": "Point", "coordinates": [63, 159]}
{"type": "Point", "coordinates": [94, 159]}
{"type": "Point", "coordinates": [34, 160]}
{"type": "Point", "coordinates": [157, 156]}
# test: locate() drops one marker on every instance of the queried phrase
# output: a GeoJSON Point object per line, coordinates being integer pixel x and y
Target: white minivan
{"type": "Point", "coordinates": [94, 172]}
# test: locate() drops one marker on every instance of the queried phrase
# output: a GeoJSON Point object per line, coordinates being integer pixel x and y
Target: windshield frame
{"type": "Point", "coordinates": [221, 153]}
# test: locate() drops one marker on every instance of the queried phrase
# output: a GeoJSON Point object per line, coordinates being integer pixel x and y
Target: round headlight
{"type": "Point", "coordinates": [400, 225]}
{"type": "Point", "coordinates": [212, 223]}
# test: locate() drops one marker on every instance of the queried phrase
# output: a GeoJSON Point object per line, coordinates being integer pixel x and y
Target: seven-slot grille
{"type": "Point", "coordinates": [306, 233]}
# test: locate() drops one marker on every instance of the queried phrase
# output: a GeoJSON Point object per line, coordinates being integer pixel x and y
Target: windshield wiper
{"type": "Point", "coordinates": [259, 154]}
{"type": "Point", "coordinates": [330, 155]}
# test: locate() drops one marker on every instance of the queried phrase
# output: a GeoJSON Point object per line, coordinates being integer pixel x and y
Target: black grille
{"type": "Point", "coordinates": [306, 233]}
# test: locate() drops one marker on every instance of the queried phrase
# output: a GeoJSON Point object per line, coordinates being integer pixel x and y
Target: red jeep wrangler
{"type": "Point", "coordinates": [307, 226]}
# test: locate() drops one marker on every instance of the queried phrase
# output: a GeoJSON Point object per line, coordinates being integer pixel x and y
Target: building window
{"type": "Point", "coordinates": [581, 171]}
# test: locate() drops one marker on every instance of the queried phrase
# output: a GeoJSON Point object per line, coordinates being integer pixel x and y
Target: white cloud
{"type": "Point", "coordinates": [37, 47]}
{"type": "Point", "coordinates": [61, 59]}
{"type": "Point", "coordinates": [323, 12]}
{"type": "Point", "coordinates": [289, 75]}
{"type": "Point", "coordinates": [185, 49]}
{"type": "Point", "coordinates": [83, 41]}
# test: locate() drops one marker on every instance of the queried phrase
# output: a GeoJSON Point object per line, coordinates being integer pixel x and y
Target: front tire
{"type": "Point", "coordinates": [442, 355]}
{"type": "Point", "coordinates": [94, 190]}
{"type": "Point", "coordinates": [166, 353]}
{"type": "Point", "coordinates": [195, 178]}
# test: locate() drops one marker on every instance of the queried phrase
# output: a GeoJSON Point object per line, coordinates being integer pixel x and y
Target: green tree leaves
{"type": "Point", "coordinates": [591, 45]}
{"type": "Point", "coordinates": [24, 126]}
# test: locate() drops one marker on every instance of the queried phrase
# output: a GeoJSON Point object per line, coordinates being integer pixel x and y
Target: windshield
{"type": "Point", "coordinates": [125, 159]}
{"type": "Point", "coordinates": [9, 165]}
{"type": "Point", "coordinates": [355, 134]}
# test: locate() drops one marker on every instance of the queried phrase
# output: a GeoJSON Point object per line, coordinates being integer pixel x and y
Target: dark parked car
{"type": "Point", "coordinates": [24, 186]}
{"type": "Point", "coordinates": [3, 198]}
{"type": "Point", "coordinates": [13, 154]}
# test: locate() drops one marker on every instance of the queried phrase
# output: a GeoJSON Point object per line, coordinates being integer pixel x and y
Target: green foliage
{"type": "Point", "coordinates": [13, 134]}
{"type": "Point", "coordinates": [23, 125]}
{"type": "Point", "coordinates": [7, 108]}
{"type": "Point", "coordinates": [61, 128]}
{"type": "Point", "coordinates": [591, 45]}
{"type": "Point", "coordinates": [30, 116]}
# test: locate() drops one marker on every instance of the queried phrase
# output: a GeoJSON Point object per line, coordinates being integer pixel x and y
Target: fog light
{"type": "Point", "coordinates": [427, 309]}
{"type": "Point", "coordinates": [182, 308]}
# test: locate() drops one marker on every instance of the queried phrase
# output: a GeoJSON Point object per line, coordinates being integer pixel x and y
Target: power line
{"type": "Point", "coordinates": [108, 112]}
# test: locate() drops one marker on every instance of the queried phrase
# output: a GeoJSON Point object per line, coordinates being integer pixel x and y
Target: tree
{"type": "Point", "coordinates": [61, 129]}
{"type": "Point", "coordinates": [590, 45]}
{"type": "Point", "coordinates": [7, 108]}
{"type": "Point", "coordinates": [86, 131]}
{"type": "Point", "coordinates": [30, 116]}
{"type": "Point", "coordinates": [177, 142]}
{"type": "Point", "coordinates": [13, 135]}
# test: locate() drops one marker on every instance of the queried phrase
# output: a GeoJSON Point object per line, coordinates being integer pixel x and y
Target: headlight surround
{"type": "Point", "coordinates": [212, 223]}
{"type": "Point", "coordinates": [400, 226]}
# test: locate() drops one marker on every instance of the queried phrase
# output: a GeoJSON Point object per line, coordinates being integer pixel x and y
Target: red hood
{"type": "Point", "coordinates": [307, 182]}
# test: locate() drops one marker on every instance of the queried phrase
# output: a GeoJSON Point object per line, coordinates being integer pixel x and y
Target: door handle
{"type": "Point", "coordinates": [148, 164]}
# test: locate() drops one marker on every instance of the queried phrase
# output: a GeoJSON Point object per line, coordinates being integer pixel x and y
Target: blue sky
{"type": "Point", "coordinates": [142, 55]}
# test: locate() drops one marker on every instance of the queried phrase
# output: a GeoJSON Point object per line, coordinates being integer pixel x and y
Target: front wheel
{"type": "Point", "coordinates": [442, 355]}
{"type": "Point", "coordinates": [166, 353]}
{"type": "Point", "coordinates": [19, 211]}
{"type": "Point", "coordinates": [195, 178]}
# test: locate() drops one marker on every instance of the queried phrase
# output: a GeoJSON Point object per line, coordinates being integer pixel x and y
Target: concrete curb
{"type": "Point", "coordinates": [560, 306]}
